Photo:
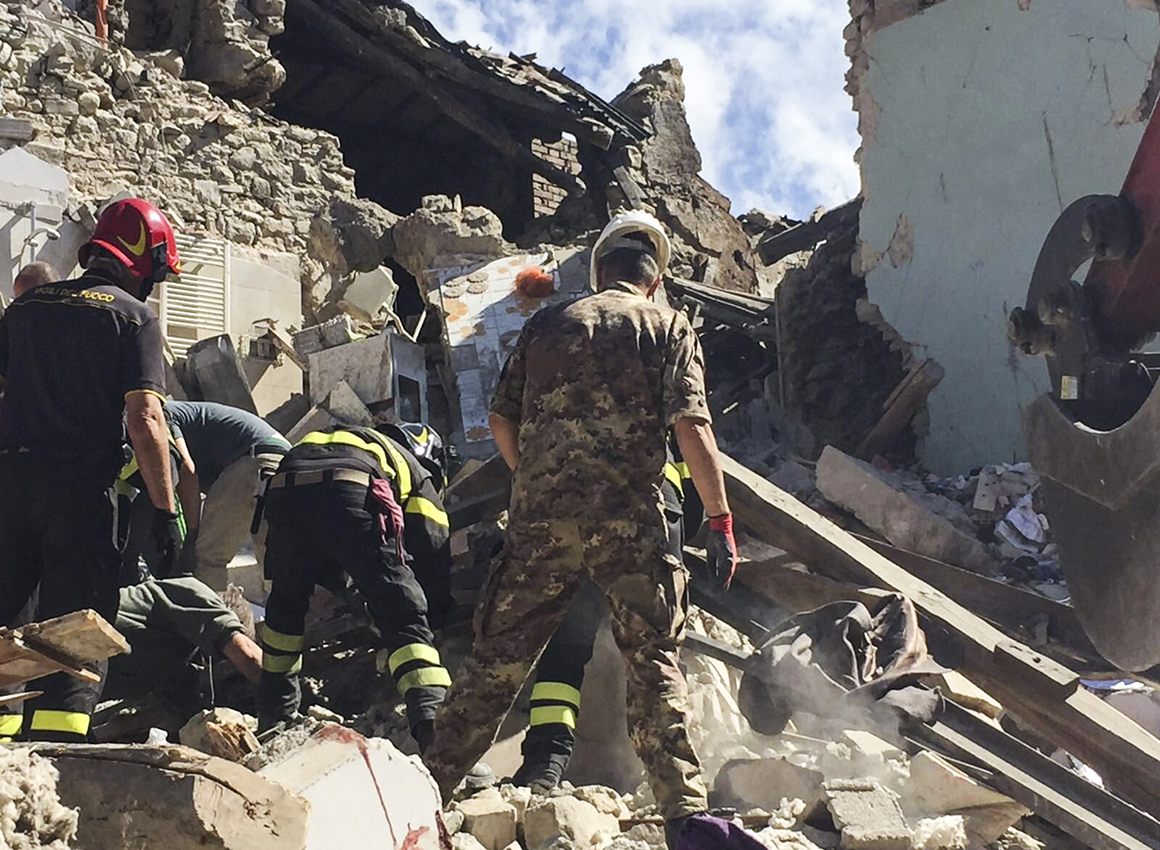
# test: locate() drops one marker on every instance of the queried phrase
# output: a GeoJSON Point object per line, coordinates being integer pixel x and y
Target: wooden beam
{"type": "Point", "coordinates": [1083, 724]}
{"type": "Point", "coordinates": [61, 645]}
{"type": "Point", "coordinates": [380, 61]}
{"type": "Point", "coordinates": [806, 235]}
{"type": "Point", "coordinates": [910, 394]}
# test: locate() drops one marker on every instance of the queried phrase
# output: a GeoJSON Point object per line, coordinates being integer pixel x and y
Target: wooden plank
{"type": "Point", "coordinates": [901, 408]}
{"type": "Point", "coordinates": [83, 635]}
{"type": "Point", "coordinates": [12, 699]}
{"type": "Point", "coordinates": [1083, 724]}
{"type": "Point", "coordinates": [1062, 798]}
{"type": "Point", "coordinates": [807, 234]}
{"type": "Point", "coordinates": [1046, 675]}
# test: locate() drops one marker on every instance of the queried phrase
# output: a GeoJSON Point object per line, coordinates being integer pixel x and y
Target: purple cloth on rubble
{"type": "Point", "coordinates": [705, 832]}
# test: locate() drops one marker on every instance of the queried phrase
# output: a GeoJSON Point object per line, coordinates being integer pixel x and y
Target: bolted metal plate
{"type": "Point", "coordinates": [1102, 491]}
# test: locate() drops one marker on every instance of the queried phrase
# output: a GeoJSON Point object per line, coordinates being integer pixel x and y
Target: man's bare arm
{"type": "Point", "coordinates": [507, 438]}
{"type": "Point", "coordinates": [245, 655]}
{"type": "Point", "coordinates": [699, 450]}
{"type": "Point", "coordinates": [188, 487]}
{"type": "Point", "coordinates": [150, 438]}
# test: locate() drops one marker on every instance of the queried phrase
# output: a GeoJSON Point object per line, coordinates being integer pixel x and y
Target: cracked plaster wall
{"type": "Point", "coordinates": [990, 116]}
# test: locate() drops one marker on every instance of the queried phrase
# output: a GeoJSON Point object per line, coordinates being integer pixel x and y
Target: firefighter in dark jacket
{"type": "Point", "coordinates": [555, 697]}
{"type": "Point", "coordinates": [356, 502]}
{"type": "Point", "coordinates": [77, 356]}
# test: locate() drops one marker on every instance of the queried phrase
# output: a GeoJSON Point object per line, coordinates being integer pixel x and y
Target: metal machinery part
{"type": "Point", "coordinates": [1095, 439]}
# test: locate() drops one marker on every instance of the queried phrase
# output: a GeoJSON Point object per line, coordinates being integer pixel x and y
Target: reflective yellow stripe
{"type": "Point", "coordinates": [429, 509]}
{"type": "Point", "coordinates": [674, 477]}
{"type": "Point", "coordinates": [683, 469]}
{"type": "Point", "coordinates": [412, 652]}
{"type": "Point", "coordinates": [556, 691]}
{"type": "Point", "coordinates": [10, 724]}
{"type": "Point", "coordinates": [544, 715]}
{"type": "Point", "coordinates": [422, 437]}
{"type": "Point", "coordinates": [403, 470]}
{"type": "Point", "coordinates": [281, 663]}
{"type": "Point", "coordinates": [345, 438]}
{"type": "Point", "coordinates": [45, 720]}
{"type": "Point", "coordinates": [280, 640]}
{"type": "Point", "coordinates": [128, 469]}
{"type": "Point", "coordinates": [148, 392]}
{"type": "Point", "coordinates": [5, 740]}
{"type": "Point", "coordinates": [425, 677]}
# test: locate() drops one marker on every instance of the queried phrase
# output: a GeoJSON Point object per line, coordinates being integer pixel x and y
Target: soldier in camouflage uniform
{"type": "Point", "coordinates": [580, 415]}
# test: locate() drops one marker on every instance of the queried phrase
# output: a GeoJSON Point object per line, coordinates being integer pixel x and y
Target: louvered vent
{"type": "Point", "coordinates": [195, 305]}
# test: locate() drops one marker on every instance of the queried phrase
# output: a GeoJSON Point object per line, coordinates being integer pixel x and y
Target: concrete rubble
{"type": "Point", "coordinates": [404, 304]}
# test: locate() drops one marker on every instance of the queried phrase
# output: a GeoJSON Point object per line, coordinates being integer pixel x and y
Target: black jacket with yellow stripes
{"type": "Point", "coordinates": [426, 530]}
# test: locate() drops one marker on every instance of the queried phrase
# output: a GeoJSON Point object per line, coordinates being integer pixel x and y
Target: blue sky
{"type": "Point", "coordinates": [763, 79]}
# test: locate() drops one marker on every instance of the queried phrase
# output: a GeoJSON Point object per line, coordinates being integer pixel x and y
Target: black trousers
{"type": "Point", "coordinates": [555, 697]}
{"type": "Point", "coordinates": [316, 533]}
{"type": "Point", "coordinates": [57, 531]}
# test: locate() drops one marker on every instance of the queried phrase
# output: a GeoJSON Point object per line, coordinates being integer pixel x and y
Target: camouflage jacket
{"type": "Point", "coordinates": [594, 385]}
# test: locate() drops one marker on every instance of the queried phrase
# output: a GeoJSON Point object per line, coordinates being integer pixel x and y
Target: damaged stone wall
{"type": "Point", "coordinates": [118, 121]}
{"type": "Point", "coordinates": [981, 120]}
{"type": "Point", "coordinates": [839, 362]}
{"type": "Point", "coordinates": [710, 245]}
{"type": "Point", "coordinates": [546, 196]}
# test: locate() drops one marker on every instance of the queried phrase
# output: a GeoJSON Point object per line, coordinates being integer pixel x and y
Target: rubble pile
{"type": "Point", "coordinates": [116, 121]}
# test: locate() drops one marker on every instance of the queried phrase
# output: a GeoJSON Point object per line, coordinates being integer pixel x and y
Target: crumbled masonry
{"type": "Point", "coordinates": [407, 188]}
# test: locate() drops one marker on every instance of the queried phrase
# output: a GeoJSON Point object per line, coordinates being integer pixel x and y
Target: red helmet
{"type": "Point", "coordinates": [138, 234]}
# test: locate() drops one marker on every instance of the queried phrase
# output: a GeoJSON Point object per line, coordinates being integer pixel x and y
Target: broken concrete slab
{"type": "Point", "coordinates": [214, 364]}
{"type": "Point", "coordinates": [936, 788]}
{"type": "Point", "coordinates": [173, 797]}
{"type": "Point", "coordinates": [316, 419]}
{"type": "Point", "coordinates": [567, 817]}
{"type": "Point", "coordinates": [360, 791]}
{"type": "Point", "coordinates": [380, 368]}
{"type": "Point", "coordinates": [868, 814]}
{"type": "Point", "coordinates": [490, 818]}
{"type": "Point", "coordinates": [311, 340]}
{"type": "Point", "coordinates": [369, 293]}
{"type": "Point", "coordinates": [917, 522]}
{"type": "Point", "coordinates": [344, 405]}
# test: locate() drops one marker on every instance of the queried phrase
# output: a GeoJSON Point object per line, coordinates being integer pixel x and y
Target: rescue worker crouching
{"type": "Point", "coordinates": [354, 501]}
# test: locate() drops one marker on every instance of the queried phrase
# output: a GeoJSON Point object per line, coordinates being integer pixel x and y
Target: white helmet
{"type": "Point", "coordinates": [612, 237]}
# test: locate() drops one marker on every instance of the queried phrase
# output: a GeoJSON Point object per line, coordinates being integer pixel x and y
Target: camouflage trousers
{"type": "Point", "coordinates": [526, 597]}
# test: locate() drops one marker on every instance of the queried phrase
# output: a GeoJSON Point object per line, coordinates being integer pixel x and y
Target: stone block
{"type": "Point", "coordinates": [174, 797]}
{"type": "Point", "coordinates": [453, 821]}
{"type": "Point", "coordinates": [337, 331]}
{"type": "Point", "coordinates": [490, 818]}
{"type": "Point", "coordinates": [361, 791]}
{"type": "Point", "coordinates": [222, 732]}
{"type": "Point", "coordinates": [916, 522]}
{"type": "Point", "coordinates": [936, 788]}
{"type": "Point", "coordinates": [379, 368]}
{"type": "Point", "coordinates": [868, 815]}
{"type": "Point", "coordinates": [566, 817]}
{"type": "Point", "coordinates": [606, 800]}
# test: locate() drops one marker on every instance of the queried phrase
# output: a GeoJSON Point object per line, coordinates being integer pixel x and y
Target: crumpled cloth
{"type": "Point", "coordinates": [835, 658]}
{"type": "Point", "coordinates": [390, 513]}
{"type": "Point", "coordinates": [706, 832]}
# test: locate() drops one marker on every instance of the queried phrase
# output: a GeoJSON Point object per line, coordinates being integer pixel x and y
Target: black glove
{"type": "Point", "coordinates": [167, 540]}
{"type": "Point", "coordinates": [721, 550]}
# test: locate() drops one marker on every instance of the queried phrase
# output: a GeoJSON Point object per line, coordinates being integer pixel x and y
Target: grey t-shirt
{"type": "Point", "coordinates": [218, 434]}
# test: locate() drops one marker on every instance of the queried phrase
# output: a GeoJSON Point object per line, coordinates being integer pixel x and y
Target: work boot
{"type": "Point", "coordinates": [424, 733]}
{"type": "Point", "coordinates": [541, 775]}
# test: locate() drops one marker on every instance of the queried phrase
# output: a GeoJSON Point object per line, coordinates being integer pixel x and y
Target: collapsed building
{"type": "Point", "coordinates": [354, 196]}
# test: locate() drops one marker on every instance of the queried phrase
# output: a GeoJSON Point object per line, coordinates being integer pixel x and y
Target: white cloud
{"type": "Point", "coordinates": [763, 79]}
